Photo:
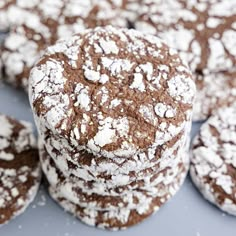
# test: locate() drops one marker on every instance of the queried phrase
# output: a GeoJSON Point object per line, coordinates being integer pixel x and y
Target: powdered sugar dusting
{"type": "Point", "coordinates": [212, 96]}
{"type": "Point", "coordinates": [183, 24]}
{"type": "Point", "coordinates": [19, 182]}
{"type": "Point", "coordinates": [37, 24]}
{"type": "Point", "coordinates": [101, 83]}
{"type": "Point", "coordinates": [66, 190]}
{"type": "Point", "coordinates": [213, 161]}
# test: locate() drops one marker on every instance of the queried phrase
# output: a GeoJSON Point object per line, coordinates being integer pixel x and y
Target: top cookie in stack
{"type": "Point", "coordinates": [109, 97]}
{"type": "Point", "coordinates": [101, 84]}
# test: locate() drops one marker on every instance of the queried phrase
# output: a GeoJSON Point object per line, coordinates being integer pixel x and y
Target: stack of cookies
{"type": "Point", "coordinates": [113, 108]}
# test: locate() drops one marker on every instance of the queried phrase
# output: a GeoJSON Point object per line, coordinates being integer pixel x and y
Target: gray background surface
{"type": "Point", "coordinates": [187, 214]}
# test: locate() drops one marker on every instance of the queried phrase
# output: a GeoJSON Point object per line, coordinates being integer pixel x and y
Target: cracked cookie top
{"type": "Point", "coordinates": [112, 91]}
{"type": "Point", "coordinates": [213, 162]}
{"type": "Point", "coordinates": [203, 31]}
{"type": "Point", "coordinates": [20, 171]}
{"type": "Point", "coordinates": [35, 25]}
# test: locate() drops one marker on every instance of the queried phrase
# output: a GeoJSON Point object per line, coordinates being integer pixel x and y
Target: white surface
{"type": "Point", "coordinates": [187, 214]}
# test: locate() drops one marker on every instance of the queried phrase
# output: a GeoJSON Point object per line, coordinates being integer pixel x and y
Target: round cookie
{"type": "Point", "coordinates": [214, 91]}
{"type": "Point", "coordinates": [20, 171]}
{"type": "Point", "coordinates": [101, 195]}
{"type": "Point", "coordinates": [213, 163]}
{"type": "Point", "coordinates": [135, 198]}
{"type": "Point", "coordinates": [73, 13]}
{"type": "Point", "coordinates": [112, 92]}
{"type": "Point", "coordinates": [120, 218]}
{"type": "Point", "coordinates": [67, 157]}
{"type": "Point", "coordinates": [88, 166]}
{"type": "Point", "coordinates": [43, 24]}
{"type": "Point", "coordinates": [202, 31]}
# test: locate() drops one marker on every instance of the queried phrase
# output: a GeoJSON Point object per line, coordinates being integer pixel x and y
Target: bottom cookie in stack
{"type": "Point", "coordinates": [111, 211]}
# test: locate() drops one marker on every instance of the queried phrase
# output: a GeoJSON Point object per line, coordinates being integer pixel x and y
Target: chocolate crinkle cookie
{"type": "Point", "coordinates": [204, 33]}
{"type": "Point", "coordinates": [215, 91]}
{"type": "Point", "coordinates": [20, 171]}
{"type": "Point", "coordinates": [34, 25]}
{"type": "Point", "coordinates": [113, 109]}
{"type": "Point", "coordinates": [119, 206]}
{"type": "Point", "coordinates": [213, 163]}
{"type": "Point", "coordinates": [87, 13]}
{"type": "Point", "coordinates": [91, 89]}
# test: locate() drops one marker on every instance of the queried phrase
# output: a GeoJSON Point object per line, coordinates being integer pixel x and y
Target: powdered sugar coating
{"type": "Point", "coordinates": [115, 172]}
{"type": "Point", "coordinates": [115, 133]}
{"type": "Point", "coordinates": [95, 168]}
{"type": "Point", "coordinates": [13, 12]}
{"type": "Point", "coordinates": [100, 196]}
{"type": "Point", "coordinates": [121, 218]}
{"type": "Point", "coordinates": [73, 12]}
{"type": "Point", "coordinates": [38, 25]}
{"type": "Point", "coordinates": [214, 91]}
{"type": "Point", "coordinates": [20, 171]}
{"type": "Point", "coordinates": [65, 156]}
{"type": "Point", "coordinates": [202, 31]}
{"type": "Point", "coordinates": [9, 139]}
{"type": "Point", "coordinates": [213, 162]}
